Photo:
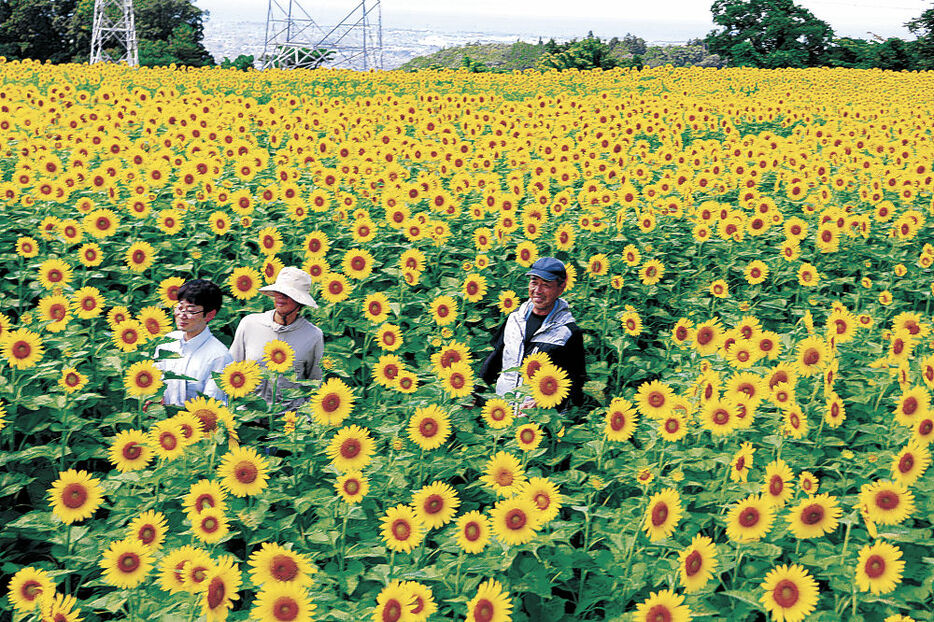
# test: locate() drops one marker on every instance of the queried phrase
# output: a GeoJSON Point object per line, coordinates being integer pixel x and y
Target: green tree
{"type": "Point", "coordinates": [768, 33]}
{"type": "Point", "coordinates": [35, 29]}
{"type": "Point", "coordinates": [242, 62]}
{"type": "Point", "coordinates": [473, 65]}
{"type": "Point", "coordinates": [170, 31]}
{"type": "Point", "coordinates": [922, 27]}
{"type": "Point", "coordinates": [589, 53]}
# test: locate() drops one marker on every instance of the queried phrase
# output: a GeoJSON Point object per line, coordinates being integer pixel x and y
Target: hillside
{"type": "Point", "coordinates": [523, 55]}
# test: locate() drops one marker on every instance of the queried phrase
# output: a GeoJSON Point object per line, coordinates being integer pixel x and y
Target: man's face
{"type": "Point", "coordinates": [191, 318]}
{"type": "Point", "coordinates": [543, 294]}
{"type": "Point", "coordinates": [283, 304]}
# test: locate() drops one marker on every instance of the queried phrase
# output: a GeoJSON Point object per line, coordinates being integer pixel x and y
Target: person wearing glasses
{"type": "Point", "coordinates": [199, 352]}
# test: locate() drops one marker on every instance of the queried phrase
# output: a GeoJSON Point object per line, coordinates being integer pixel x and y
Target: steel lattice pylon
{"type": "Point", "coordinates": [295, 39]}
{"type": "Point", "coordinates": [113, 38]}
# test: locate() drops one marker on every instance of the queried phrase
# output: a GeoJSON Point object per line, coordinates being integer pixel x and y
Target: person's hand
{"type": "Point", "coordinates": [527, 404]}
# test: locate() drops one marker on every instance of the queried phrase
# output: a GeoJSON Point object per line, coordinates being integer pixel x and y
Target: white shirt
{"type": "Point", "coordinates": [199, 357]}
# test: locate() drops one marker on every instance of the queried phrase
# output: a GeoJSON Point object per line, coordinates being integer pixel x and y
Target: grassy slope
{"type": "Point", "coordinates": [518, 55]}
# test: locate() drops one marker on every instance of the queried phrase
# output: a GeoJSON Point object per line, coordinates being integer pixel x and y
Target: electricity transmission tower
{"type": "Point", "coordinates": [113, 38]}
{"type": "Point", "coordinates": [294, 39]}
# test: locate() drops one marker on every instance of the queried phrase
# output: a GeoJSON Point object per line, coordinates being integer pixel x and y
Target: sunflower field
{"type": "Point", "coordinates": [750, 262]}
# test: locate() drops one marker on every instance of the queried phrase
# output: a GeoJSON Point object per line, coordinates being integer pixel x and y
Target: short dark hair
{"type": "Point", "coordinates": [201, 292]}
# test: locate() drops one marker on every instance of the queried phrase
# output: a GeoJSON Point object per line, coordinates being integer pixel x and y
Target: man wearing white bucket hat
{"type": "Point", "coordinates": [289, 294]}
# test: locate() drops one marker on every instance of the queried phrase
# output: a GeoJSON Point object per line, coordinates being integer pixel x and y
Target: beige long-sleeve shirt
{"type": "Point", "coordinates": [306, 340]}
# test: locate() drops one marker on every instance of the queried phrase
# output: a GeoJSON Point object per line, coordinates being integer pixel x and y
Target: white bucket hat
{"type": "Point", "coordinates": [294, 283]}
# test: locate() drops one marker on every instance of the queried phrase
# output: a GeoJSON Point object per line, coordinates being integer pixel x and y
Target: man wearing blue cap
{"type": "Point", "coordinates": [543, 323]}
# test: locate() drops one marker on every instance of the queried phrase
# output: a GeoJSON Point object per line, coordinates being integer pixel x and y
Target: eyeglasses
{"type": "Point", "coordinates": [187, 311]}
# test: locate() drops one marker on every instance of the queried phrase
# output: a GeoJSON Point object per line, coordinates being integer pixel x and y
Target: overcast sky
{"type": "Point", "coordinates": [652, 19]}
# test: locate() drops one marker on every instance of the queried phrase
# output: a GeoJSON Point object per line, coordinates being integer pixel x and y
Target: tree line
{"type": "Point", "coordinates": [780, 33]}
{"type": "Point", "coordinates": [59, 31]}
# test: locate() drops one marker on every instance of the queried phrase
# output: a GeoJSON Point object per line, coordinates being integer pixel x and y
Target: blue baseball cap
{"type": "Point", "coordinates": [549, 269]}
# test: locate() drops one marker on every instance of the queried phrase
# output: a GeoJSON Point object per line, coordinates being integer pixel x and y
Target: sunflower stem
{"type": "Point", "coordinates": [392, 563]}
{"type": "Point", "coordinates": [343, 541]}
{"type": "Point", "coordinates": [846, 542]}
{"type": "Point", "coordinates": [65, 434]}
{"type": "Point", "coordinates": [67, 558]}
{"type": "Point", "coordinates": [272, 405]}
{"type": "Point", "coordinates": [737, 558]}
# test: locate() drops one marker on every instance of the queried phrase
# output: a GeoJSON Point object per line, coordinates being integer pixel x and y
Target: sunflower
{"type": "Point", "coordinates": [490, 604]}
{"type": "Point", "coordinates": [55, 310]}
{"type": "Point", "coordinates": [167, 439]}
{"type": "Point", "coordinates": [544, 495]}
{"type": "Point", "coordinates": [720, 416]}
{"type": "Point", "coordinates": [357, 264]}
{"type": "Point", "coordinates": [352, 486]}
{"type": "Point", "coordinates": [274, 564]}
{"type": "Point", "coordinates": [778, 488]}
{"type": "Point", "coordinates": [179, 564]}
{"type": "Point", "coordinates": [663, 605]}
{"type": "Point", "coordinates": [696, 563]}
{"type": "Point", "coordinates": [75, 496]}
{"type": "Point", "coordinates": [219, 222]}
{"type": "Point", "coordinates": [395, 603]}
{"type": "Point", "coordinates": [790, 593]}
{"type": "Point", "coordinates": [528, 436]}
{"type": "Point", "coordinates": [449, 355]}
{"type": "Point", "coordinates": [910, 463]}
{"type": "Point", "coordinates": [406, 382]}
{"type": "Point", "coordinates": [243, 472]}
{"type": "Point", "coordinates": [811, 356]}
{"type": "Point", "coordinates": [22, 348]}
{"type": "Point", "coordinates": [756, 272]}
{"type": "Point", "coordinates": [834, 410]}
{"type": "Point", "coordinates": [148, 528]}
{"type": "Point", "coordinates": [474, 287]}
{"type": "Point", "coordinates": [507, 301]}
{"type": "Point", "coordinates": [550, 386]}
{"type": "Point", "coordinates": [335, 287]}
{"type": "Point", "coordinates": [350, 449]}
{"type": "Point", "coordinates": [204, 494]}
{"type": "Point", "coordinates": [54, 274]}
{"type": "Point", "coordinates": [503, 473]}
{"type": "Point", "coordinates": [814, 517]}
{"type": "Point", "coordinates": [72, 380]}
{"type": "Point", "coordinates": [29, 587]}
{"type": "Point", "coordinates": [376, 307]}
{"type": "Point", "coordinates": [424, 603]}
{"type": "Point", "coordinates": [244, 283]}
{"type": "Point", "coordinates": [457, 380]}
{"type": "Point", "coordinates": [401, 529]}
{"type": "Point", "coordinates": [332, 403]}
{"type": "Point", "coordinates": [750, 519]}
{"type": "Point", "coordinates": [281, 602]}
{"type": "Point", "coordinates": [708, 336]}
{"type": "Point", "coordinates": [435, 504]}
{"type": "Point", "coordinates": [473, 532]}
{"type": "Point", "coordinates": [128, 335]}
{"type": "Point", "coordinates": [219, 589]}
{"type": "Point", "coordinates": [60, 608]}
{"type": "Point", "coordinates": [240, 378]}
{"type": "Point", "coordinates": [155, 321]}
{"type": "Point", "coordinates": [140, 256]}
{"type": "Point", "coordinates": [209, 411]}
{"type": "Point", "coordinates": [888, 503]}
{"type": "Point", "coordinates": [662, 514]}
{"type": "Point", "coordinates": [443, 310]}
{"type": "Point", "coordinates": [620, 421]}
{"type": "Point", "coordinates": [190, 426]}
{"type": "Point", "coordinates": [794, 422]}
{"type": "Point", "coordinates": [429, 427]}
{"type": "Point", "coordinates": [651, 272]}
{"type": "Point", "coordinates": [130, 451]}
{"type": "Point", "coordinates": [142, 378]}
{"type": "Point", "coordinates": [210, 525]}
{"type": "Point", "coordinates": [879, 568]}
{"type": "Point", "coordinates": [673, 426]}
{"type": "Point", "coordinates": [913, 404]}
{"type": "Point", "coordinates": [278, 356]}
{"type": "Point", "coordinates": [126, 563]}
{"type": "Point", "coordinates": [741, 463]}
{"type": "Point", "coordinates": [808, 483]}
{"type": "Point", "coordinates": [497, 413]}
{"type": "Point", "coordinates": [632, 323]}
{"type": "Point", "coordinates": [27, 247]}
{"type": "Point", "coordinates": [532, 363]}
{"type": "Point", "coordinates": [87, 302]}
{"type": "Point", "coordinates": [386, 371]}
